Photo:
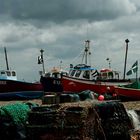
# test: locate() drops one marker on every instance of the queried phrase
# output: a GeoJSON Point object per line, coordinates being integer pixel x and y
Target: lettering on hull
{"type": "Point", "coordinates": [3, 82]}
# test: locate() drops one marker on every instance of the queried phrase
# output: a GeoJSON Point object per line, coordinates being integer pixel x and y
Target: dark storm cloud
{"type": "Point", "coordinates": [62, 10]}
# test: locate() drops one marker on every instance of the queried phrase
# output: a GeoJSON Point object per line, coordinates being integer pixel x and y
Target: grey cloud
{"type": "Point", "coordinates": [62, 10]}
{"type": "Point", "coordinates": [60, 28]}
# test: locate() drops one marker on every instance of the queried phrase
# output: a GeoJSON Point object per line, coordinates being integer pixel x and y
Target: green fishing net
{"type": "Point", "coordinates": [18, 112]}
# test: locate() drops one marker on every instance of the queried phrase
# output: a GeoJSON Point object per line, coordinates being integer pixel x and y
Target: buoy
{"type": "Point", "coordinates": [108, 88]}
{"type": "Point", "coordinates": [114, 94]}
{"type": "Point", "coordinates": [101, 98]}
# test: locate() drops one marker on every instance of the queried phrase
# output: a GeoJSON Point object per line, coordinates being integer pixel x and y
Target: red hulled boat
{"type": "Point", "coordinates": [11, 88]}
{"type": "Point", "coordinates": [84, 77]}
{"type": "Point", "coordinates": [129, 92]}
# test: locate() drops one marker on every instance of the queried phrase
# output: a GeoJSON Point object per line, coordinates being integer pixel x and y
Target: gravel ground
{"type": "Point", "coordinates": [37, 101]}
{"type": "Point", "coordinates": [135, 105]}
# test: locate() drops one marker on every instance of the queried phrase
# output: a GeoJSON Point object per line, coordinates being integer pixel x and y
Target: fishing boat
{"type": "Point", "coordinates": [51, 80]}
{"type": "Point", "coordinates": [128, 92]}
{"type": "Point", "coordinates": [85, 77]}
{"type": "Point", "coordinates": [75, 83]}
{"type": "Point", "coordinates": [12, 88]}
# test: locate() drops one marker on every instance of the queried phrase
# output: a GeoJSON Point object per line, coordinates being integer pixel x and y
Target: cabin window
{"type": "Point", "coordinates": [8, 73]}
{"type": "Point", "coordinates": [56, 75]}
{"type": "Point", "coordinates": [104, 75]}
{"type": "Point", "coordinates": [13, 73]}
{"type": "Point", "coordinates": [86, 74]}
{"type": "Point", "coordinates": [48, 75]}
{"type": "Point", "coordinates": [64, 73]}
{"type": "Point", "coordinates": [70, 71]}
{"type": "Point", "coordinates": [2, 73]}
{"type": "Point", "coordinates": [110, 75]}
{"type": "Point", "coordinates": [116, 75]}
{"type": "Point", "coordinates": [73, 72]}
{"type": "Point", "coordinates": [78, 73]}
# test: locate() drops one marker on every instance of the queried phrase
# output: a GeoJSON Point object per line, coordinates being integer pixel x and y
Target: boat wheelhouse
{"type": "Point", "coordinates": [83, 71]}
{"type": "Point", "coordinates": [8, 74]}
{"type": "Point", "coordinates": [56, 73]}
{"type": "Point", "coordinates": [106, 74]}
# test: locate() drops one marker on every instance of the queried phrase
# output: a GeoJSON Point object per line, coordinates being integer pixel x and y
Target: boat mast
{"type": "Point", "coordinates": [41, 51]}
{"type": "Point", "coordinates": [126, 41]}
{"type": "Point", "coordinates": [6, 58]}
{"type": "Point", "coordinates": [87, 52]}
{"type": "Point", "coordinates": [109, 62]}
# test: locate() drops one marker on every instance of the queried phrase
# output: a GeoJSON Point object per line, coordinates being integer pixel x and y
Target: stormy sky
{"type": "Point", "coordinates": [60, 28]}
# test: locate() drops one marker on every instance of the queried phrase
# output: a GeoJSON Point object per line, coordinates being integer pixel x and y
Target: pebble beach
{"type": "Point", "coordinates": [130, 105]}
{"type": "Point", "coordinates": [37, 101]}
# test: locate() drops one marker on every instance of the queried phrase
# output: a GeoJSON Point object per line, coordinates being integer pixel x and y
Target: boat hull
{"type": "Point", "coordinates": [21, 95]}
{"type": "Point", "coordinates": [100, 87]}
{"type": "Point", "coordinates": [12, 89]}
{"type": "Point", "coordinates": [126, 94]}
{"type": "Point", "coordinates": [13, 86]}
{"type": "Point", "coordinates": [51, 84]}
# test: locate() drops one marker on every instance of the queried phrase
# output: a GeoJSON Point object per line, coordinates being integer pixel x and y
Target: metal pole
{"type": "Point", "coordinates": [41, 51]}
{"type": "Point", "coordinates": [126, 41]}
{"type": "Point", "coordinates": [109, 63]}
{"type": "Point", "coordinates": [6, 58]}
{"type": "Point", "coordinates": [137, 75]}
{"type": "Point", "coordinates": [87, 51]}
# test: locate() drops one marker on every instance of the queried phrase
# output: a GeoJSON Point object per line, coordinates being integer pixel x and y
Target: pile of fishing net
{"type": "Point", "coordinates": [13, 119]}
{"type": "Point", "coordinates": [83, 120]}
{"type": "Point", "coordinates": [114, 120]}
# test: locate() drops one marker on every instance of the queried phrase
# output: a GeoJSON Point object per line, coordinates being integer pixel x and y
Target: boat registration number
{"type": "Point", "coordinates": [2, 82]}
{"type": "Point", "coordinates": [56, 82]}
